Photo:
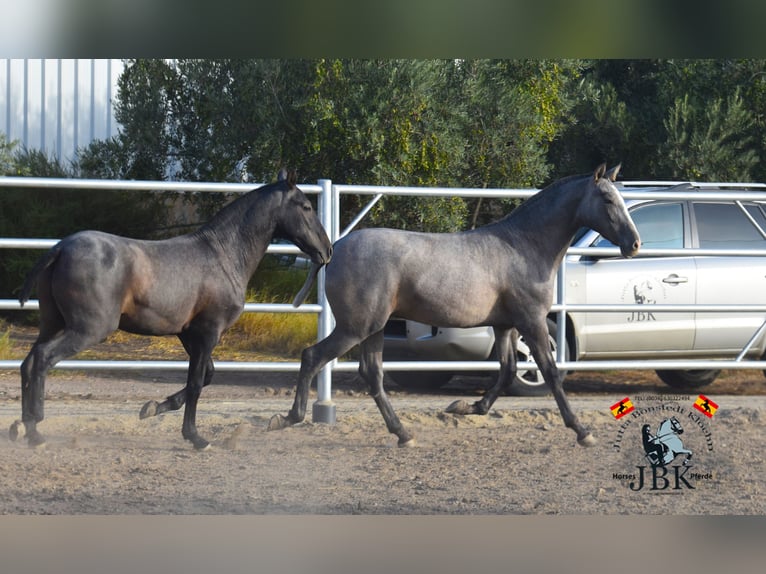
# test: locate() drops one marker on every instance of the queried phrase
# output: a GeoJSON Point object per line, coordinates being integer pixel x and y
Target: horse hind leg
{"type": "Point", "coordinates": [505, 343]}
{"type": "Point", "coordinates": [176, 400]}
{"type": "Point", "coordinates": [45, 353]}
{"type": "Point", "coordinates": [371, 370]}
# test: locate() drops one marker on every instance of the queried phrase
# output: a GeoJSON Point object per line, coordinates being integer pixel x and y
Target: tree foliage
{"type": "Point", "coordinates": [450, 123]}
{"type": "Point", "coordinates": [384, 122]}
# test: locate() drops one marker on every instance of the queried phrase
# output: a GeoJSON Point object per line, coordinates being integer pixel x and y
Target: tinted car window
{"type": "Point", "coordinates": [660, 225]}
{"type": "Point", "coordinates": [725, 226]}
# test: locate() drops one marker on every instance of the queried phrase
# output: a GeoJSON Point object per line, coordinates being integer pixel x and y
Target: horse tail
{"type": "Point", "coordinates": [43, 263]}
{"type": "Point", "coordinates": [309, 283]}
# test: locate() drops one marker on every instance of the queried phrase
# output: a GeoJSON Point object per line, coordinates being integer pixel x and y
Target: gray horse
{"type": "Point", "coordinates": [193, 286]}
{"type": "Point", "coordinates": [501, 275]}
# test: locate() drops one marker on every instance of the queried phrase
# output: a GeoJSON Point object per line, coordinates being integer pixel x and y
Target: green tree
{"type": "Point", "coordinates": [710, 143]}
{"type": "Point", "coordinates": [510, 111]}
{"type": "Point", "coordinates": [145, 92]}
{"type": "Point", "coordinates": [380, 122]}
{"type": "Point", "coordinates": [686, 119]}
{"type": "Point", "coordinates": [7, 148]}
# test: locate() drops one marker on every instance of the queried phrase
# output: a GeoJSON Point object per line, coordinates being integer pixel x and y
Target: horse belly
{"type": "Point", "coordinates": [445, 313]}
{"type": "Point", "coordinates": [449, 301]}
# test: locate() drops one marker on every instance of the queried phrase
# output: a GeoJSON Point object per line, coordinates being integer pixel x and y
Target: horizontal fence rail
{"type": "Point", "coordinates": [329, 212]}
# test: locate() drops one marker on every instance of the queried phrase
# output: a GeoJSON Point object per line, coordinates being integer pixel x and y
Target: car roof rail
{"type": "Point", "coordinates": [687, 185]}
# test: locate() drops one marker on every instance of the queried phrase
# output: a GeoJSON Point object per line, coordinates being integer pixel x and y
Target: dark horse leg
{"type": "Point", "coordinates": [371, 370]}
{"type": "Point", "coordinates": [200, 347]}
{"type": "Point", "coordinates": [45, 353]}
{"type": "Point", "coordinates": [538, 344]}
{"type": "Point", "coordinates": [313, 359]}
{"type": "Point", "coordinates": [176, 400]}
{"type": "Point", "coordinates": [505, 345]}
{"type": "Point", "coordinates": [537, 339]}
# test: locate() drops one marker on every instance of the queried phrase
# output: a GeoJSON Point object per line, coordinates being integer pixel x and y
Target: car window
{"type": "Point", "coordinates": [660, 225]}
{"type": "Point", "coordinates": [724, 226]}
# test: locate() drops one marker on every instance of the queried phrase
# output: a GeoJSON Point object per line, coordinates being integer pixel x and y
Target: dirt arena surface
{"type": "Point", "coordinates": [519, 459]}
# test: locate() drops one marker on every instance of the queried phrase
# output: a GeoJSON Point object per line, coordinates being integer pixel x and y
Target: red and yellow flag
{"type": "Point", "coordinates": [705, 406]}
{"type": "Point", "coordinates": [622, 408]}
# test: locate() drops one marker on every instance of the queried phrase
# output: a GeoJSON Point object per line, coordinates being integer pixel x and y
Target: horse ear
{"type": "Point", "coordinates": [599, 173]}
{"type": "Point", "coordinates": [612, 173]}
{"type": "Point", "coordinates": [290, 176]}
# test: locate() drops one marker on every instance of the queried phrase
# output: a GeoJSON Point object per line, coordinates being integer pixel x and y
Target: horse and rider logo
{"type": "Point", "coordinates": [662, 448]}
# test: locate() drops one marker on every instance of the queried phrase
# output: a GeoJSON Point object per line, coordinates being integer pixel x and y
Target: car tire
{"type": "Point", "coordinates": [692, 379]}
{"type": "Point", "coordinates": [531, 383]}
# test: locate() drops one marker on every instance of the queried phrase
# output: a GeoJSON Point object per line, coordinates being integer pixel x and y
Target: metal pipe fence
{"type": "Point", "coordinates": [329, 199]}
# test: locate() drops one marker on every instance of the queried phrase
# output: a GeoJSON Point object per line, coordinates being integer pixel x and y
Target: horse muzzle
{"type": "Point", "coordinates": [322, 258]}
{"type": "Point", "coordinates": [630, 250]}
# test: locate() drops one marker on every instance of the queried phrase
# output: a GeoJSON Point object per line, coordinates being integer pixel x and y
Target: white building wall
{"type": "Point", "coordinates": [58, 105]}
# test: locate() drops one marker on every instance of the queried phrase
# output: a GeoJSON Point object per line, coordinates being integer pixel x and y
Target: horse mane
{"type": "Point", "coordinates": [550, 189]}
{"type": "Point", "coordinates": [232, 213]}
{"type": "Point", "coordinates": [523, 210]}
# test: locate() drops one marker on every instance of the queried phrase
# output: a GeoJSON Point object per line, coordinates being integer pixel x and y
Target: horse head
{"type": "Point", "coordinates": [297, 221]}
{"type": "Point", "coordinates": [603, 210]}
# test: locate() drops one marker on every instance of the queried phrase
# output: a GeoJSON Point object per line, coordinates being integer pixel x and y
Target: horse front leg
{"type": "Point", "coordinates": [538, 344]}
{"type": "Point", "coordinates": [193, 391]}
{"type": "Point", "coordinates": [505, 345]}
{"type": "Point", "coordinates": [200, 349]}
{"type": "Point", "coordinates": [313, 359]}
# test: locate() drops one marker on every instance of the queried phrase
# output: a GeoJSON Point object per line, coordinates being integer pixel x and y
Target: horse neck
{"type": "Point", "coordinates": [242, 231]}
{"type": "Point", "coordinates": [545, 223]}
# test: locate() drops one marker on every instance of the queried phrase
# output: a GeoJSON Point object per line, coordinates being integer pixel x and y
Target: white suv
{"type": "Point", "coordinates": [667, 224]}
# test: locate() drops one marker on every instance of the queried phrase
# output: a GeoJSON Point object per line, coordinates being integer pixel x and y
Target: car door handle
{"type": "Point", "coordinates": [674, 279]}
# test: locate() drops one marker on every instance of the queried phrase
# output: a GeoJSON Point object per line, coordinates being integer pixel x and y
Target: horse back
{"type": "Point", "coordinates": [449, 279]}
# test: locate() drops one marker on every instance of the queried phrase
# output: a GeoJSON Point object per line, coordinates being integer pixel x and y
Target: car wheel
{"type": "Point", "coordinates": [420, 380]}
{"type": "Point", "coordinates": [531, 383]}
{"type": "Point", "coordinates": [693, 379]}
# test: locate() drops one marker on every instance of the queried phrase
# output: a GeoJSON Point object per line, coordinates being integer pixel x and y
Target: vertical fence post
{"type": "Point", "coordinates": [561, 316]}
{"type": "Point", "coordinates": [323, 410]}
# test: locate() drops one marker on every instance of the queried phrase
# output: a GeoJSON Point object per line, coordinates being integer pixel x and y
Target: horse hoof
{"type": "Point", "coordinates": [587, 440]}
{"type": "Point", "coordinates": [278, 422]}
{"type": "Point", "coordinates": [36, 441]}
{"type": "Point", "coordinates": [149, 410]}
{"type": "Point", "coordinates": [13, 432]}
{"type": "Point", "coordinates": [459, 407]}
{"type": "Point", "coordinates": [409, 443]}
{"type": "Point", "coordinates": [198, 442]}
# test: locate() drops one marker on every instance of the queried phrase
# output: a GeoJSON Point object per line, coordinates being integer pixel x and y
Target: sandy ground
{"type": "Point", "coordinates": [519, 459]}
